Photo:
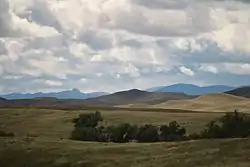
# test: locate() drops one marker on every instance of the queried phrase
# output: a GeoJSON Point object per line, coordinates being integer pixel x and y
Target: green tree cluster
{"type": "Point", "coordinates": [232, 125]}
{"type": "Point", "coordinates": [88, 128]}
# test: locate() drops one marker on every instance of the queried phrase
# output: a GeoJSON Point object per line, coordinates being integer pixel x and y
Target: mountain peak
{"type": "Point", "coordinates": [75, 90]}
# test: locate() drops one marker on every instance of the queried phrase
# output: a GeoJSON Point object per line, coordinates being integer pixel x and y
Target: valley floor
{"type": "Point", "coordinates": [34, 152]}
{"type": "Point", "coordinates": [41, 140]}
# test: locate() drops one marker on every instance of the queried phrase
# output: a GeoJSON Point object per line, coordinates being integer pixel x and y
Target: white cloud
{"type": "Point", "coordinates": [237, 68]}
{"type": "Point", "coordinates": [209, 68]}
{"type": "Point", "coordinates": [96, 58]}
{"type": "Point", "coordinates": [186, 71]}
{"type": "Point", "coordinates": [53, 83]}
{"type": "Point", "coordinates": [120, 43]}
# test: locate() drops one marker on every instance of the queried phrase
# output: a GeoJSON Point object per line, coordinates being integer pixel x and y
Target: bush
{"type": "Point", "coordinates": [172, 132]}
{"type": "Point", "coordinates": [193, 136]}
{"type": "Point", "coordinates": [235, 125]}
{"type": "Point", "coordinates": [147, 133]}
{"type": "Point", "coordinates": [212, 130]}
{"type": "Point", "coordinates": [86, 127]}
{"type": "Point", "coordinates": [87, 134]}
{"type": "Point", "coordinates": [232, 125]}
{"type": "Point", "coordinates": [122, 133]}
{"type": "Point", "coordinates": [90, 120]}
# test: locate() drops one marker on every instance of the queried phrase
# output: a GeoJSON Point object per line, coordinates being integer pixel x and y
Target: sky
{"type": "Point", "coordinates": [111, 45]}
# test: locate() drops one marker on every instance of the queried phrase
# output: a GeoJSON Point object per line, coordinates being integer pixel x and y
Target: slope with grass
{"type": "Point", "coordinates": [36, 152]}
{"type": "Point", "coordinates": [58, 123]}
{"type": "Point", "coordinates": [210, 102]}
{"type": "Point", "coordinates": [41, 139]}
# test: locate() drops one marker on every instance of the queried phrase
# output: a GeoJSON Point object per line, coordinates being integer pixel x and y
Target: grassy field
{"type": "Point", "coordinates": [37, 152]}
{"type": "Point", "coordinates": [42, 141]}
{"type": "Point", "coordinates": [58, 123]}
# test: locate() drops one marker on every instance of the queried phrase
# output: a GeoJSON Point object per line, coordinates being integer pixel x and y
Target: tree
{"type": "Point", "coordinates": [90, 120]}
{"type": "Point", "coordinates": [86, 128]}
{"type": "Point", "coordinates": [85, 134]}
{"type": "Point", "coordinates": [212, 130]}
{"type": "Point", "coordinates": [122, 133]}
{"type": "Point", "coordinates": [231, 125]}
{"type": "Point", "coordinates": [172, 132]}
{"type": "Point", "coordinates": [235, 124]}
{"type": "Point", "coordinates": [147, 133]}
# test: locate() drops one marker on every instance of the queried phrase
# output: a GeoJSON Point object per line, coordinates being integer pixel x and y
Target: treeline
{"type": "Point", "coordinates": [88, 128]}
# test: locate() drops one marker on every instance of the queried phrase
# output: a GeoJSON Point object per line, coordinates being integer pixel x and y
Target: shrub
{"type": "Point", "coordinates": [212, 130]}
{"type": "Point", "coordinates": [90, 120]}
{"type": "Point", "coordinates": [235, 125]}
{"type": "Point", "coordinates": [86, 134]}
{"type": "Point", "coordinates": [86, 128]}
{"type": "Point", "coordinates": [172, 132]}
{"type": "Point", "coordinates": [147, 133]}
{"type": "Point", "coordinates": [193, 136]}
{"type": "Point", "coordinates": [232, 125]}
{"type": "Point", "coordinates": [122, 133]}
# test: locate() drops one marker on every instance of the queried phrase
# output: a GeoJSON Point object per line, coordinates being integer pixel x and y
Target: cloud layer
{"type": "Point", "coordinates": [109, 45]}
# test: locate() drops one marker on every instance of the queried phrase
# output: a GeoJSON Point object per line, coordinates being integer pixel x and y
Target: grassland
{"type": "Point", "coordinates": [37, 152]}
{"type": "Point", "coordinates": [58, 123]}
{"type": "Point", "coordinates": [218, 102]}
{"type": "Point", "coordinates": [42, 141]}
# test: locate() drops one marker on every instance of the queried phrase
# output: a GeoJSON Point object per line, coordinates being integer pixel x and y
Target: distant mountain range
{"type": "Point", "coordinates": [187, 89]}
{"type": "Point", "coordinates": [119, 98]}
{"type": "Point", "coordinates": [68, 94]}
{"type": "Point", "coordinates": [192, 89]}
{"type": "Point", "coordinates": [71, 99]}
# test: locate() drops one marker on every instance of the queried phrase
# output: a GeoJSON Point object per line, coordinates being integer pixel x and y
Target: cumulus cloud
{"type": "Point", "coordinates": [187, 71]}
{"type": "Point", "coordinates": [51, 45]}
{"type": "Point", "coordinates": [53, 83]}
{"type": "Point", "coordinates": [5, 19]}
{"type": "Point", "coordinates": [209, 68]}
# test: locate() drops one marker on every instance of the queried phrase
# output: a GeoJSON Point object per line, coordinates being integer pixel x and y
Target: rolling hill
{"type": "Point", "coordinates": [210, 102]}
{"type": "Point", "coordinates": [119, 98]}
{"type": "Point", "coordinates": [136, 96]}
{"type": "Point", "coordinates": [242, 92]}
{"type": "Point", "coordinates": [192, 89]}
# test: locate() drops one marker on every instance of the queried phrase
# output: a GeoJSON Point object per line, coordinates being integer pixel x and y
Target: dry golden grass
{"type": "Point", "coordinates": [42, 140]}
{"type": "Point", "coordinates": [37, 152]}
{"type": "Point", "coordinates": [212, 102]}
{"type": "Point", "coordinates": [58, 123]}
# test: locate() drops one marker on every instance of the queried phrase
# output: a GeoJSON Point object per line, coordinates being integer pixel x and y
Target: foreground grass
{"type": "Point", "coordinates": [41, 141]}
{"type": "Point", "coordinates": [58, 123]}
{"type": "Point", "coordinates": [35, 152]}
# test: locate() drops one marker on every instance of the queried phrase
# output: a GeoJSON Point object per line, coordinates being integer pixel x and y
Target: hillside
{"type": "Point", "coordinates": [136, 96]}
{"type": "Point", "coordinates": [2, 99]}
{"type": "Point", "coordinates": [119, 98]}
{"type": "Point", "coordinates": [211, 102]}
{"type": "Point", "coordinates": [242, 92]}
{"type": "Point", "coordinates": [192, 89]}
